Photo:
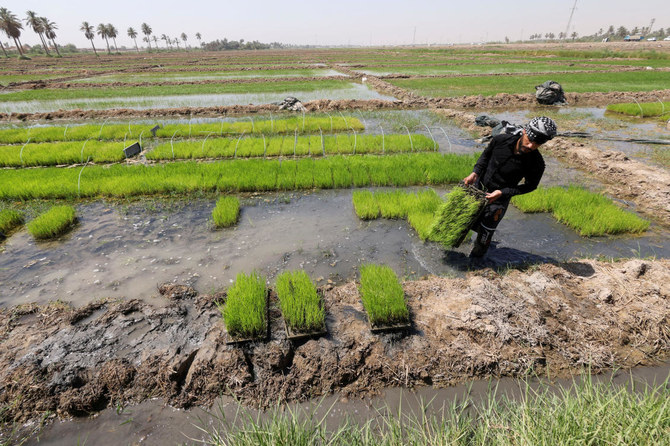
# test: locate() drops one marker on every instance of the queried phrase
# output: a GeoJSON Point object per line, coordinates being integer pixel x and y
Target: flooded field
{"type": "Point", "coordinates": [355, 91]}
{"type": "Point", "coordinates": [120, 318]}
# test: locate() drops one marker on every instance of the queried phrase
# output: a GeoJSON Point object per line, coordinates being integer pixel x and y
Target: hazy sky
{"type": "Point", "coordinates": [340, 22]}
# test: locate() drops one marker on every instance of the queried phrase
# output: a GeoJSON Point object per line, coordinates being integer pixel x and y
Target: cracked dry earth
{"type": "Point", "coordinates": [554, 318]}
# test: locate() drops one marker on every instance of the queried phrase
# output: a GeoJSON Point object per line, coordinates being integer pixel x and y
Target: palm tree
{"type": "Point", "coordinates": [133, 35]}
{"type": "Point", "coordinates": [104, 33]}
{"type": "Point", "coordinates": [12, 27]}
{"type": "Point", "coordinates": [155, 41]}
{"type": "Point", "coordinates": [164, 37]}
{"type": "Point", "coordinates": [146, 30]}
{"type": "Point", "coordinates": [50, 32]}
{"type": "Point", "coordinates": [113, 32]}
{"type": "Point", "coordinates": [199, 37]}
{"type": "Point", "coordinates": [36, 24]}
{"type": "Point", "coordinates": [4, 50]}
{"type": "Point", "coordinates": [88, 32]}
{"type": "Point", "coordinates": [184, 38]}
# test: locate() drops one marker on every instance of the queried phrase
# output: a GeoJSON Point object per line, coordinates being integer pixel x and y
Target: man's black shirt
{"type": "Point", "coordinates": [499, 168]}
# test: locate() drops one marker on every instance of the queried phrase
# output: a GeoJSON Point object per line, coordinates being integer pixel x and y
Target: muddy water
{"type": "Point", "coordinates": [354, 91]}
{"type": "Point", "coordinates": [154, 423]}
{"type": "Point", "coordinates": [126, 250]}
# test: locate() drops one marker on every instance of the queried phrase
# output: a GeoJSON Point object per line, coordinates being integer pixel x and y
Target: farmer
{"type": "Point", "coordinates": [508, 158]}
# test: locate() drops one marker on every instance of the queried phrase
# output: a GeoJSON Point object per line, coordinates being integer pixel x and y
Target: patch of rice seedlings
{"type": "Point", "coordinates": [421, 222]}
{"type": "Point", "coordinates": [365, 205]}
{"type": "Point", "coordinates": [643, 109]}
{"type": "Point", "coordinates": [245, 309]}
{"type": "Point", "coordinates": [391, 204]}
{"type": "Point", "coordinates": [300, 303]}
{"type": "Point", "coordinates": [304, 174]}
{"type": "Point", "coordinates": [106, 132]}
{"type": "Point", "coordinates": [286, 171]}
{"type": "Point", "coordinates": [246, 175]}
{"type": "Point", "coordinates": [9, 220]}
{"type": "Point", "coordinates": [454, 217]}
{"type": "Point", "coordinates": [226, 212]}
{"type": "Point", "coordinates": [288, 146]}
{"type": "Point", "coordinates": [382, 296]}
{"type": "Point", "coordinates": [54, 222]}
{"type": "Point", "coordinates": [590, 214]}
{"type": "Point", "coordinates": [48, 154]}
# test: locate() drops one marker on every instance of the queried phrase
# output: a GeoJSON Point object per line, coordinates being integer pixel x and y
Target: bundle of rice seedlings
{"type": "Point", "coordinates": [53, 222]}
{"type": "Point", "coordinates": [226, 212]}
{"type": "Point", "coordinates": [9, 219]}
{"type": "Point", "coordinates": [300, 303]}
{"type": "Point", "coordinates": [456, 215]}
{"type": "Point", "coordinates": [383, 296]}
{"type": "Point", "coordinates": [245, 310]}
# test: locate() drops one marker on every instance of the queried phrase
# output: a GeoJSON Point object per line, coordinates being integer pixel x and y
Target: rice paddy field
{"type": "Point", "coordinates": [236, 223]}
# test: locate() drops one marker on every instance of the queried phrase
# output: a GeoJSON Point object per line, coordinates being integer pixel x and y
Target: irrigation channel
{"type": "Point", "coordinates": [152, 422]}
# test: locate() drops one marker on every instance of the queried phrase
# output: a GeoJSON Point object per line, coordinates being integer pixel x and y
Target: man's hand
{"type": "Point", "coordinates": [471, 179]}
{"type": "Point", "coordinates": [493, 196]}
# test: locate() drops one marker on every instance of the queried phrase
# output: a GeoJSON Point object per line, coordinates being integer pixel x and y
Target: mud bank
{"type": "Point", "coordinates": [552, 318]}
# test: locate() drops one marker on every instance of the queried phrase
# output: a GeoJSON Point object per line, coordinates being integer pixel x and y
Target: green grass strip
{"type": "Point", "coordinates": [643, 109]}
{"type": "Point", "coordinates": [299, 302]}
{"type": "Point", "coordinates": [128, 132]}
{"type": "Point", "coordinates": [52, 223]}
{"type": "Point", "coordinates": [9, 220]}
{"type": "Point", "coordinates": [226, 212]}
{"type": "Point", "coordinates": [245, 310]}
{"type": "Point", "coordinates": [249, 175]}
{"type": "Point", "coordinates": [454, 217]}
{"type": "Point", "coordinates": [291, 146]}
{"type": "Point", "coordinates": [49, 94]}
{"type": "Point", "coordinates": [382, 296]}
{"type": "Point", "coordinates": [590, 214]}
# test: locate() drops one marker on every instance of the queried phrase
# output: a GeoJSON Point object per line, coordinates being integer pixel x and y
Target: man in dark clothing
{"type": "Point", "coordinates": [507, 160]}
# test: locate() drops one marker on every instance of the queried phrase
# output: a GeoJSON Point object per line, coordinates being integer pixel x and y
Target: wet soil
{"type": "Point", "coordinates": [552, 317]}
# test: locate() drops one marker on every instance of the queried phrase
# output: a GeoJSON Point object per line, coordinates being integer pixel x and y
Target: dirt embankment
{"type": "Point", "coordinates": [557, 318]}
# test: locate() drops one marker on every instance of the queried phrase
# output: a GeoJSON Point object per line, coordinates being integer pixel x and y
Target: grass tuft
{"type": "Point", "coordinates": [300, 303]}
{"type": "Point", "coordinates": [245, 310]}
{"type": "Point", "coordinates": [226, 212]}
{"type": "Point", "coordinates": [588, 213]}
{"type": "Point", "coordinates": [52, 223]}
{"type": "Point", "coordinates": [382, 296]}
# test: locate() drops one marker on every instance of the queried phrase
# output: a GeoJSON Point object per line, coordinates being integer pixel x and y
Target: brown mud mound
{"type": "Point", "coordinates": [551, 318]}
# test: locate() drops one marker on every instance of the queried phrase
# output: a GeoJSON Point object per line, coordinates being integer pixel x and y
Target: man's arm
{"type": "Point", "coordinates": [480, 165]}
{"type": "Point", "coordinates": [531, 180]}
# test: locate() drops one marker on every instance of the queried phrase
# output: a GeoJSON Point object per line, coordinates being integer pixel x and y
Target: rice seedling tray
{"type": "Point", "coordinates": [296, 336]}
{"type": "Point", "coordinates": [392, 328]}
{"type": "Point", "coordinates": [239, 341]}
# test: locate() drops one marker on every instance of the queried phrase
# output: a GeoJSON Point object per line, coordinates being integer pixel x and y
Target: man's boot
{"type": "Point", "coordinates": [482, 242]}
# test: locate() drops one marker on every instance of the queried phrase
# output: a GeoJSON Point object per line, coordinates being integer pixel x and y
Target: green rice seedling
{"type": "Point", "coordinates": [421, 222]}
{"type": "Point", "coordinates": [245, 310]}
{"type": "Point", "coordinates": [304, 174]}
{"type": "Point", "coordinates": [454, 217]}
{"type": "Point", "coordinates": [286, 171]}
{"type": "Point", "coordinates": [47, 154]}
{"type": "Point", "coordinates": [9, 220]}
{"type": "Point", "coordinates": [391, 204]}
{"type": "Point", "coordinates": [643, 109]}
{"type": "Point", "coordinates": [226, 212]}
{"type": "Point", "coordinates": [121, 180]}
{"type": "Point", "coordinates": [365, 205]}
{"type": "Point", "coordinates": [53, 222]}
{"type": "Point", "coordinates": [382, 296]}
{"type": "Point", "coordinates": [114, 131]}
{"type": "Point", "coordinates": [299, 302]}
{"type": "Point", "coordinates": [590, 214]}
